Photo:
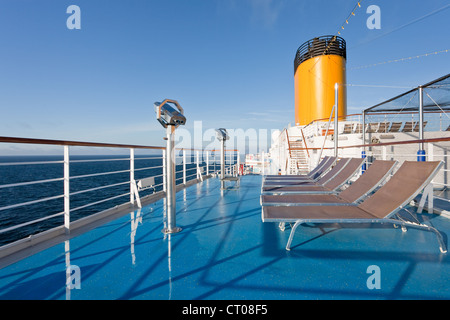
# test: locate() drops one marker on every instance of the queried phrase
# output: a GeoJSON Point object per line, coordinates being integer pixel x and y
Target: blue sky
{"type": "Point", "coordinates": [228, 62]}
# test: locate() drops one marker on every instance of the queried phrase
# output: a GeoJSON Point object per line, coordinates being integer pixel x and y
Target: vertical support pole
{"type": "Point", "coordinates": [222, 165]}
{"type": "Point", "coordinates": [363, 152]}
{"type": "Point", "coordinates": [336, 135]}
{"type": "Point", "coordinates": [235, 173]}
{"type": "Point", "coordinates": [222, 160]}
{"type": "Point", "coordinates": [197, 161]}
{"type": "Point", "coordinates": [66, 190]}
{"type": "Point", "coordinates": [207, 163]}
{"type": "Point", "coordinates": [431, 158]}
{"type": "Point", "coordinates": [421, 117]}
{"type": "Point", "coordinates": [364, 130]}
{"type": "Point", "coordinates": [421, 152]}
{"type": "Point", "coordinates": [184, 166]}
{"type": "Point", "coordinates": [171, 191]}
{"type": "Point", "coordinates": [132, 175]}
{"type": "Point", "coordinates": [238, 162]}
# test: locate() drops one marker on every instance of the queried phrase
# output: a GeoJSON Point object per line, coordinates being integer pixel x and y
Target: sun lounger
{"type": "Point", "coordinates": [408, 127]}
{"type": "Point", "coordinates": [382, 207]}
{"type": "Point", "coordinates": [416, 126]}
{"type": "Point", "coordinates": [323, 165]}
{"type": "Point", "coordinates": [383, 127]}
{"type": "Point", "coordinates": [314, 175]}
{"type": "Point", "coordinates": [358, 190]}
{"type": "Point", "coordinates": [358, 128]}
{"type": "Point", "coordinates": [372, 127]}
{"type": "Point", "coordinates": [395, 127]}
{"type": "Point", "coordinates": [348, 128]}
{"type": "Point", "coordinates": [296, 182]}
{"type": "Point", "coordinates": [332, 181]}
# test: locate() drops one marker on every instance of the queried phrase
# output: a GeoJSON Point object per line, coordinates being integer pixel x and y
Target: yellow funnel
{"type": "Point", "coordinates": [319, 64]}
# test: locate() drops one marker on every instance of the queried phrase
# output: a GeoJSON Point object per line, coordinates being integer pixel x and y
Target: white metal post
{"type": "Point", "coordinates": [66, 190]}
{"type": "Point", "coordinates": [132, 175]}
{"type": "Point", "coordinates": [198, 164]}
{"type": "Point", "coordinates": [421, 117]}
{"type": "Point", "coordinates": [421, 153]}
{"type": "Point", "coordinates": [235, 173]}
{"type": "Point", "coordinates": [222, 159]}
{"type": "Point", "coordinates": [238, 162]}
{"type": "Point", "coordinates": [171, 188]}
{"type": "Point", "coordinates": [364, 130]}
{"type": "Point", "coordinates": [184, 166]}
{"type": "Point", "coordinates": [207, 163]}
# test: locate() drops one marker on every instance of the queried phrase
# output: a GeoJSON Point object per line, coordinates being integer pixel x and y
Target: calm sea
{"type": "Point", "coordinates": [10, 174]}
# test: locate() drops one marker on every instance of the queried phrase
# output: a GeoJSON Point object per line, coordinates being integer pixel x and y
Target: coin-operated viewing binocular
{"type": "Point", "coordinates": [167, 115]}
{"type": "Point", "coordinates": [222, 134]}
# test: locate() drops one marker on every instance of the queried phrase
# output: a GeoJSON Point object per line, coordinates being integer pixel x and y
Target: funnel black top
{"type": "Point", "coordinates": [319, 46]}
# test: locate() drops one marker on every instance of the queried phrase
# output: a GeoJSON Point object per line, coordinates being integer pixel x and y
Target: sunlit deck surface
{"type": "Point", "coordinates": [225, 251]}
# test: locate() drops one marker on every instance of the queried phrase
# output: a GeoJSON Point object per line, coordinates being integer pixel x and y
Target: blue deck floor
{"type": "Point", "coordinates": [226, 252]}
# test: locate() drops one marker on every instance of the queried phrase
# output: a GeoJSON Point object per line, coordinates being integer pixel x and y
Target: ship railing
{"type": "Point", "coordinates": [113, 187]}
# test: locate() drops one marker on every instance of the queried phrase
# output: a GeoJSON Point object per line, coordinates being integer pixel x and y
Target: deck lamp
{"type": "Point", "coordinates": [170, 115]}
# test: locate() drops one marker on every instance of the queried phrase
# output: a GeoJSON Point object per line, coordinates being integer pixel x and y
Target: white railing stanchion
{"type": "Point", "coordinates": [132, 183]}
{"type": "Point", "coordinates": [238, 160]}
{"type": "Point", "coordinates": [66, 190]}
{"type": "Point", "coordinates": [184, 166]}
{"type": "Point", "coordinates": [207, 163]}
{"type": "Point", "coordinates": [197, 164]}
{"type": "Point", "coordinates": [431, 152]}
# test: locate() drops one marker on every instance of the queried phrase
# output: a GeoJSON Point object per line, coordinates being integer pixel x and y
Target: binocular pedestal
{"type": "Point", "coordinates": [171, 208]}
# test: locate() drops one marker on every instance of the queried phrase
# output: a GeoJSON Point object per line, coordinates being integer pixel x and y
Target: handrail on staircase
{"type": "Point", "coordinates": [289, 148]}
{"type": "Point", "coordinates": [304, 142]}
{"type": "Point", "coordinates": [289, 144]}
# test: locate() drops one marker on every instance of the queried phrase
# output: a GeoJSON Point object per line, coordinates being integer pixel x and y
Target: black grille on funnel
{"type": "Point", "coordinates": [319, 46]}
